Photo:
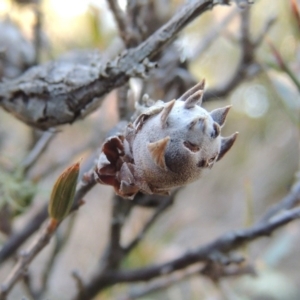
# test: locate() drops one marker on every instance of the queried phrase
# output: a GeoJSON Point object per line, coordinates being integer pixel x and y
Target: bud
{"type": "Point", "coordinates": [168, 145]}
{"type": "Point", "coordinates": [63, 193]}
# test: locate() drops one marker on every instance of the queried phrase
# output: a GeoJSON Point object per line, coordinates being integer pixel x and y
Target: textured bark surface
{"type": "Point", "coordinates": [61, 92]}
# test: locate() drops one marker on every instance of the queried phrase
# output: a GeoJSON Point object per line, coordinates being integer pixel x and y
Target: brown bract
{"type": "Point", "coordinates": [167, 146]}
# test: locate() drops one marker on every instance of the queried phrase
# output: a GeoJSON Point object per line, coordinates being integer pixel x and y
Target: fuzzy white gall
{"type": "Point", "coordinates": [167, 146]}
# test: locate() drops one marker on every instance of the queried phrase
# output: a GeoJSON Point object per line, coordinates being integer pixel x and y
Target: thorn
{"type": "Point", "coordinates": [157, 151]}
{"type": "Point", "coordinates": [166, 111]}
{"type": "Point", "coordinates": [226, 144]}
{"type": "Point", "coordinates": [198, 87]}
{"type": "Point", "coordinates": [219, 115]}
{"type": "Point", "coordinates": [193, 100]}
{"type": "Point", "coordinates": [195, 122]}
{"type": "Point", "coordinates": [216, 130]}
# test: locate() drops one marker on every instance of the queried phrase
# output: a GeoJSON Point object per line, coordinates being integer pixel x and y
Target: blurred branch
{"type": "Point", "coordinates": [247, 66]}
{"type": "Point", "coordinates": [195, 270]}
{"type": "Point", "coordinates": [86, 184]}
{"type": "Point", "coordinates": [164, 204]}
{"type": "Point", "coordinates": [63, 160]}
{"type": "Point", "coordinates": [61, 239]}
{"type": "Point", "coordinates": [37, 31]}
{"type": "Point", "coordinates": [210, 37]}
{"type": "Point", "coordinates": [26, 257]}
{"type": "Point", "coordinates": [287, 203]}
{"type": "Point", "coordinates": [123, 107]}
{"type": "Point", "coordinates": [283, 65]}
{"type": "Point", "coordinates": [17, 239]}
{"type": "Point", "coordinates": [162, 283]}
{"type": "Point", "coordinates": [125, 30]}
{"type": "Point", "coordinates": [60, 204]}
{"type": "Point", "coordinates": [79, 282]}
{"type": "Point", "coordinates": [268, 24]}
{"type": "Point", "coordinates": [58, 93]}
{"type": "Point", "coordinates": [37, 150]}
{"type": "Point", "coordinates": [27, 282]}
{"type": "Point", "coordinates": [114, 253]}
{"type": "Point", "coordinates": [218, 251]}
{"type": "Point", "coordinates": [224, 244]}
{"type": "Point", "coordinates": [5, 220]}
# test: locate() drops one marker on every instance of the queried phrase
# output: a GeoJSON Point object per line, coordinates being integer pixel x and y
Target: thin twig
{"type": "Point", "coordinates": [79, 282]}
{"type": "Point", "coordinates": [37, 150]}
{"type": "Point", "coordinates": [159, 210]}
{"type": "Point", "coordinates": [283, 65]}
{"type": "Point", "coordinates": [37, 32]}
{"type": "Point", "coordinates": [27, 282]}
{"type": "Point", "coordinates": [247, 66]}
{"type": "Point", "coordinates": [210, 37]}
{"type": "Point", "coordinates": [43, 239]}
{"type": "Point", "coordinates": [174, 278]}
{"type": "Point", "coordinates": [63, 160]}
{"type": "Point", "coordinates": [26, 257]}
{"type": "Point", "coordinates": [18, 238]}
{"type": "Point", "coordinates": [122, 21]}
{"type": "Point", "coordinates": [224, 244]}
{"type": "Point", "coordinates": [267, 26]}
{"type": "Point", "coordinates": [163, 283]}
{"type": "Point", "coordinates": [123, 106]}
{"type": "Point", "coordinates": [34, 224]}
{"type": "Point", "coordinates": [287, 203]}
{"type": "Point", "coordinates": [61, 239]}
{"type": "Point", "coordinates": [114, 253]}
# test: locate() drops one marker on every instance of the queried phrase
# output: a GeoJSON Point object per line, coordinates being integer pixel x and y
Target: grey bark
{"type": "Point", "coordinates": [61, 92]}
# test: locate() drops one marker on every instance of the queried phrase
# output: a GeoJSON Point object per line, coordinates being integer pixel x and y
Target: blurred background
{"type": "Point", "coordinates": [256, 173]}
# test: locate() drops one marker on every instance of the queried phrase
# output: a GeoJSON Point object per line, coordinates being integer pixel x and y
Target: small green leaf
{"type": "Point", "coordinates": [63, 193]}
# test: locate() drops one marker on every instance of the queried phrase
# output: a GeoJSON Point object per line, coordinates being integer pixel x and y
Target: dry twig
{"type": "Point", "coordinates": [18, 239]}
{"type": "Point", "coordinates": [125, 30]}
{"type": "Point", "coordinates": [26, 257]}
{"type": "Point", "coordinates": [222, 245]}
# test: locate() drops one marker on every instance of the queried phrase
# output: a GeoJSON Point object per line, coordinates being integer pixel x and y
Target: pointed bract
{"type": "Point", "coordinates": [166, 111]}
{"type": "Point", "coordinates": [204, 125]}
{"type": "Point", "coordinates": [141, 119]}
{"type": "Point", "coordinates": [128, 190]}
{"type": "Point", "coordinates": [216, 130]}
{"type": "Point", "coordinates": [196, 121]}
{"type": "Point", "coordinates": [157, 151]}
{"type": "Point", "coordinates": [219, 114]}
{"type": "Point", "coordinates": [198, 87]}
{"type": "Point", "coordinates": [226, 144]}
{"type": "Point", "coordinates": [193, 100]}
